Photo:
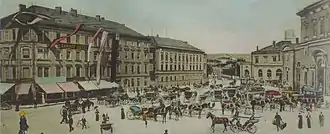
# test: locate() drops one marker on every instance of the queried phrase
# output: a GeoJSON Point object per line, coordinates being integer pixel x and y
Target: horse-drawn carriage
{"type": "Point", "coordinates": [112, 101]}
{"type": "Point", "coordinates": [149, 96]}
{"type": "Point", "coordinates": [75, 108]}
{"type": "Point", "coordinates": [136, 112]}
{"type": "Point", "coordinates": [217, 94]}
{"type": "Point", "coordinates": [106, 127]}
{"type": "Point", "coordinates": [190, 94]}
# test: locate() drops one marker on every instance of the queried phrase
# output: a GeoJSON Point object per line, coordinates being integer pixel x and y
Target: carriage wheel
{"type": "Point", "coordinates": [252, 129]}
{"type": "Point", "coordinates": [129, 115]}
{"type": "Point", "coordinates": [234, 128]}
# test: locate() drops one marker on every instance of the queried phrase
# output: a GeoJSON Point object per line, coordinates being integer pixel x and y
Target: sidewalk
{"type": "Point", "coordinates": [40, 105]}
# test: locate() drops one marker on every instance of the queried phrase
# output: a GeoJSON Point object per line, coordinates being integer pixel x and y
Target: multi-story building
{"type": "Point", "coordinates": [311, 66]}
{"type": "Point", "coordinates": [34, 60]}
{"type": "Point", "coordinates": [178, 63]}
{"type": "Point", "coordinates": [267, 63]}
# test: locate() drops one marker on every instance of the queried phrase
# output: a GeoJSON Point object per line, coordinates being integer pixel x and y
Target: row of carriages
{"type": "Point", "coordinates": [28, 93]}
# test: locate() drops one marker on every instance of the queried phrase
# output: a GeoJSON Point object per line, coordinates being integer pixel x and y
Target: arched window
{"type": "Point", "coordinates": [260, 73]}
{"type": "Point", "coordinates": [269, 73]}
{"type": "Point", "coordinates": [246, 73]}
{"type": "Point", "coordinates": [279, 74]}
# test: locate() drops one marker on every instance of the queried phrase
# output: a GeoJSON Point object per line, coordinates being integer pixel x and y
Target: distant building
{"type": "Point", "coordinates": [289, 35]}
{"type": "Point", "coordinates": [178, 63]}
{"type": "Point", "coordinates": [267, 63]}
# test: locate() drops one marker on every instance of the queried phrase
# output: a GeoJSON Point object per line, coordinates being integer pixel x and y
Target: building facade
{"type": "Point", "coordinates": [311, 64]}
{"type": "Point", "coordinates": [178, 63]}
{"type": "Point", "coordinates": [33, 59]}
{"type": "Point", "coordinates": [267, 63]}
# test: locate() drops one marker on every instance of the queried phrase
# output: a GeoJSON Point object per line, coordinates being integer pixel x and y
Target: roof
{"type": "Point", "coordinates": [174, 44]}
{"type": "Point", "coordinates": [311, 7]}
{"type": "Point", "coordinates": [273, 48]}
{"type": "Point", "coordinates": [4, 87]}
{"type": "Point", "coordinates": [23, 88]}
{"type": "Point", "coordinates": [68, 19]}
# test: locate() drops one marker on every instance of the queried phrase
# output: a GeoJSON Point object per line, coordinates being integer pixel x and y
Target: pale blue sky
{"type": "Point", "coordinates": [212, 25]}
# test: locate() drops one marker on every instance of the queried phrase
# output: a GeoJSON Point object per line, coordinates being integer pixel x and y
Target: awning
{"type": "Point", "coordinates": [104, 84]}
{"type": "Point", "coordinates": [309, 89]}
{"type": "Point", "coordinates": [4, 87]}
{"type": "Point", "coordinates": [51, 88]}
{"type": "Point", "coordinates": [88, 85]}
{"type": "Point", "coordinates": [23, 88]}
{"type": "Point", "coordinates": [68, 87]}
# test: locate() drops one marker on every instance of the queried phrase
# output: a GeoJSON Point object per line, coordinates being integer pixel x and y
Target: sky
{"type": "Point", "coordinates": [215, 26]}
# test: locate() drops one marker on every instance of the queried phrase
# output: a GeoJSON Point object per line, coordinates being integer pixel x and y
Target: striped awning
{"type": "Point", "coordinates": [4, 87]}
{"type": "Point", "coordinates": [68, 87]}
{"type": "Point", "coordinates": [88, 85]}
{"type": "Point", "coordinates": [51, 88]}
{"type": "Point", "coordinates": [23, 88]}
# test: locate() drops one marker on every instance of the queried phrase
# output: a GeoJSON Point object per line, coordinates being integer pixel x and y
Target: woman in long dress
{"type": "Point", "coordinates": [308, 117]}
{"type": "Point", "coordinates": [300, 121]}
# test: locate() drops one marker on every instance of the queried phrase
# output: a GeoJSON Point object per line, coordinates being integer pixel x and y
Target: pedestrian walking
{"type": "Point", "coordinates": [144, 118]}
{"type": "Point", "coordinates": [321, 119]}
{"type": "Point", "coordinates": [23, 125]}
{"type": "Point", "coordinates": [277, 121]}
{"type": "Point", "coordinates": [70, 124]}
{"type": "Point", "coordinates": [64, 114]}
{"type": "Point", "coordinates": [308, 117]}
{"type": "Point", "coordinates": [166, 132]}
{"type": "Point", "coordinates": [83, 123]}
{"type": "Point", "coordinates": [300, 121]}
{"type": "Point", "coordinates": [97, 116]}
{"type": "Point", "coordinates": [122, 113]}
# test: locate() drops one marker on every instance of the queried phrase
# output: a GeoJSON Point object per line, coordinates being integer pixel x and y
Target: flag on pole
{"type": "Point", "coordinates": [90, 44]}
{"type": "Point", "coordinates": [101, 49]}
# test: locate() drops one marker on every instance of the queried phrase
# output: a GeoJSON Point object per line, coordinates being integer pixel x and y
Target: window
{"type": "Point", "coordinates": [138, 55]}
{"type": "Point", "coordinates": [68, 72]}
{"type": "Point", "coordinates": [14, 72]}
{"type": "Point", "coordinates": [95, 56]}
{"type": "Point", "coordinates": [68, 40]}
{"type": "Point", "coordinates": [138, 69]}
{"type": "Point", "coordinates": [162, 79]}
{"type": "Point", "coordinates": [274, 58]}
{"type": "Point", "coordinates": [132, 56]}
{"type": "Point", "coordinates": [58, 71]}
{"type": "Point", "coordinates": [305, 77]}
{"type": "Point", "coordinates": [260, 73]}
{"type": "Point", "coordinates": [26, 72]}
{"type": "Point", "coordinates": [77, 39]}
{"type": "Point", "coordinates": [26, 53]}
{"type": "Point", "coordinates": [77, 55]}
{"type": "Point", "coordinates": [322, 26]}
{"type": "Point", "coordinates": [313, 78]}
{"type": "Point", "coordinates": [179, 67]}
{"type": "Point", "coordinates": [132, 68]}
{"type": "Point", "coordinates": [166, 67]}
{"type": "Point", "coordinates": [58, 35]}
{"type": "Point", "coordinates": [269, 73]}
{"type": "Point", "coordinates": [314, 27]}
{"type": "Point", "coordinates": [179, 57]}
{"type": "Point", "coordinates": [40, 54]}
{"type": "Point", "coordinates": [170, 67]}
{"type": "Point", "coordinates": [46, 72]}
{"type": "Point", "coordinates": [145, 68]}
{"type": "Point", "coordinates": [279, 74]}
{"type": "Point", "coordinates": [6, 35]}
{"type": "Point", "coordinates": [126, 55]}
{"type": "Point", "coordinates": [182, 77]}
{"type": "Point", "coordinates": [68, 55]}
{"type": "Point", "coordinates": [0, 35]}
{"type": "Point", "coordinates": [78, 71]}
{"type": "Point", "coordinates": [166, 78]}
{"type": "Point", "coordinates": [39, 72]}
{"type": "Point", "coordinates": [145, 82]}
{"type": "Point", "coordinates": [14, 34]}
{"type": "Point", "coordinates": [279, 57]}
{"type": "Point", "coordinates": [132, 82]}
{"type": "Point", "coordinates": [256, 58]}
{"type": "Point", "coordinates": [86, 40]}
{"type": "Point", "coordinates": [126, 69]}
{"type": "Point", "coordinates": [166, 57]}
{"type": "Point", "coordinates": [161, 67]}
{"type": "Point", "coordinates": [138, 81]}
{"type": "Point", "coordinates": [145, 55]}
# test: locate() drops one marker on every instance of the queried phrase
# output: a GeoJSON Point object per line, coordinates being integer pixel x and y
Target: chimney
{"type": "Point", "coordinates": [274, 43]}
{"type": "Point", "coordinates": [297, 40]}
{"type": "Point", "coordinates": [257, 48]}
{"type": "Point", "coordinates": [58, 10]}
{"type": "Point", "coordinates": [157, 35]}
{"type": "Point", "coordinates": [73, 12]}
{"type": "Point", "coordinates": [22, 7]}
{"type": "Point", "coordinates": [102, 18]}
{"type": "Point", "coordinates": [98, 17]}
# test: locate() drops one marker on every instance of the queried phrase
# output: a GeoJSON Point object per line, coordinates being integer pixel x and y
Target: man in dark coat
{"type": "Point", "coordinates": [277, 121]}
{"type": "Point", "coordinates": [122, 113]}
{"type": "Point", "coordinates": [23, 126]}
{"type": "Point", "coordinates": [64, 114]}
{"type": "Point", "coordinates": [300, 121]}
{"type": "Point", "coordinates": [70, 124]}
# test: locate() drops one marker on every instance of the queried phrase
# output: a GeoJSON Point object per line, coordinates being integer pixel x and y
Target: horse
{"type": "Point", "coordinates": [87, 103]}
{"type": "Point", "coordinates": [217, 120]}
{"type": "Point", "coordinates": [160, 111]}
{"type": "Point", "coordinates": [173, 109]}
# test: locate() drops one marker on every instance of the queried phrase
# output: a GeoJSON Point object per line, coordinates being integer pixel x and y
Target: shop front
{"type": "Point", "coordinates": [51, 92]}
{"type": "Point", "coordinates": [71, 90]}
